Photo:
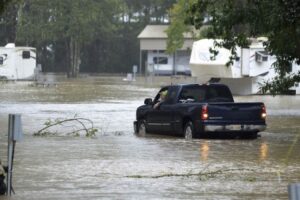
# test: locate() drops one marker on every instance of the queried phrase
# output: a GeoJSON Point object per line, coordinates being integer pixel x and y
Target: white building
{"type": "Point", "coordinates": [252, 68]}
{"type": "Point", "coordinates": [17, 63]}
{"type": "Point", "coordinates": [153, 56]}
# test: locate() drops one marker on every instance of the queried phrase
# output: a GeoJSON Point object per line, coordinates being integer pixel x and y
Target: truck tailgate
{"type": "Point", "coordinates": [235, 112]}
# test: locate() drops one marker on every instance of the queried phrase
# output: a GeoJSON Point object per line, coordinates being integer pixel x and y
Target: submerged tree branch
{"type": "Point", "coordinates": [200, 174]}
{"type": "Point", "coordinates": [86, 124]}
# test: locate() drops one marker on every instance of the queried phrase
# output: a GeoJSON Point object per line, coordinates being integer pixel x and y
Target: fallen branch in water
{"type": "Point", "coordinates": [77, 124]}
{"type": "Point", "coordinates": [200, 174]}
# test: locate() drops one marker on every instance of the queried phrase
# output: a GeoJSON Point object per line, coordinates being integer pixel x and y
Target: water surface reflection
{"type": "Point", "coordinates": [118, 165]}
{"type": "Point", "coordinates": [204, 151]}
{"type": "Point", "coordinates": [263, 151]}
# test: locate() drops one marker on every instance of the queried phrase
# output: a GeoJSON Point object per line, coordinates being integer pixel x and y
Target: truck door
{"type": "Point", "coordinates": [160, 119]}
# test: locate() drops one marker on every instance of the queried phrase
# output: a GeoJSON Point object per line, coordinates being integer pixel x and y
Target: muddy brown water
{"type": "Point", "coordinates": [116, 164]}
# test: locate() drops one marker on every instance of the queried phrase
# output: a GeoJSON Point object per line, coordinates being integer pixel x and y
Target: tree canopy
{"type": "Point", "coordinates": [235, 21]}
{"type": "Point", "coordinates": [3, 4]}
{"type": "Point", "coordinates": [76, 35]}
{"type": "Point", "coordinates": [178, 14]}
{"type": "Point", "coordinates": [72, 22]}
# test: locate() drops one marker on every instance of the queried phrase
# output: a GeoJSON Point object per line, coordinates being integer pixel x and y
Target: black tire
{"type": "Point", "coordinates": [250, 135]}
{"type": "Point", "coordinates": [141, 128]}
{"type": "Point", "coordinates": [253, 135]}
{"type": "Point", "coordinates": [188, 131]}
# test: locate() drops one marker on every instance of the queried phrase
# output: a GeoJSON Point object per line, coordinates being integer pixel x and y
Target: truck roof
{"type": "Point", "coordinates": [196, 84]}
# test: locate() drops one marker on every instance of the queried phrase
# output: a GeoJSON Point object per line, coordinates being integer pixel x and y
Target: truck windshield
{"type": "Point", "coordinates": [199, 93]}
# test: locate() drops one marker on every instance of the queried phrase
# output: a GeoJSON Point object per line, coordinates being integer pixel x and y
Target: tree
{"type": "Point", "coordinates": [75, 23]}
{"type": "Point", "coordinates": [8, 21]}
{"type": "Point", "coordinates": [149, 11]}
{"type": "Point", "coordinates": [235, 21]}
{"type": "Point", "coordinates": [97, 35]}
{"type": "Point", "coordinates": [3, 5]}
{"type": "Point", "coordinates": [178, 27]}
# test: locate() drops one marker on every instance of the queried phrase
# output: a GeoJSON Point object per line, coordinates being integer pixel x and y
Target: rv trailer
{"type": "Point", "coordinates": [245, 76]}
{"type": "Point", "coordinates": [17, 63]}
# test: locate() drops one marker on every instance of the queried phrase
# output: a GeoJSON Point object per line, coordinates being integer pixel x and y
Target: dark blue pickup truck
{"type": "Point", "coordinates": [195, 110]}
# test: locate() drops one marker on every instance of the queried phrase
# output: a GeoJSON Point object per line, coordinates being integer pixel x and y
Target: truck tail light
{"type": "Point", "coordinates": [204, 112]}
{"type": "Point", "coordinates": [263, 112]}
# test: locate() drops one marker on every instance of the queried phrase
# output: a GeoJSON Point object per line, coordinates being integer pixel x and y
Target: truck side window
{"type": "Point", "coordinates": [161, 98]}
{"type": "Point", "coordinates": [158, 96]}
{"type": "Point", "coordinates": [1, 60]}
{"type": "Point", "coordinates": [170, 97]}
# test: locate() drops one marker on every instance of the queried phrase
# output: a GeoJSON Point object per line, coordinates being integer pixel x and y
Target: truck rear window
{"type": "Point", "coordinates": [199, 93]}
{"type": "Point", "coordinates": [192, 94]}
{"type": "Point", "coordinates": [218, 94]}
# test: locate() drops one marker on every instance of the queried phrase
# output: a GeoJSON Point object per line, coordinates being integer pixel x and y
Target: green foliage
{"type": "Point", "coordinates": [8, 21]}
{"type": "Point", "coordinates": [95, 35]}
{"type": "Point", "coordinates": [81, 20]}
{"type": "Point", "coordinates": [73, 22]}
{"type": "Point", "coordinates": [91, 132]}
{"type": "Point", "coordinates": [76, 124]}
{"type": "Point", "coordinates": [48, 122]}
{"type": "Point", "coordinates": [250, 179]}
{"type": "Point", "coordinates": [177, 27]}
{"type": "Point", "coordinates": [235, 21]}
{"type": "Point", "coordinates": [280, 85]}
{"type": "Point", "coordinates": [3, 5]}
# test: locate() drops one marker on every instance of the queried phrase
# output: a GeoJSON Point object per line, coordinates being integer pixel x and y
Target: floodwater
{"type": "Point", "coordinates": [116, 164]}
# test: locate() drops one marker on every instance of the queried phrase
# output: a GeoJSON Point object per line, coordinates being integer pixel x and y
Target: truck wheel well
{"type": "Point", "coordinates": [185, 121]}
{"type": "Point", "coordinates": [141, 118]}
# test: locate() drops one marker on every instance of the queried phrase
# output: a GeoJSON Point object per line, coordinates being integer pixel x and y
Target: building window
{"type": "Point", "coordinates": [26, 54]}
{"type": "Point", "coordinates": [290, 68]}
{"type": "Point", "coordinates": [261, 56]}
{"type": "Point", "coordinates": [160, 60]}
{"type": "Point", "coordinates": [159, 51]}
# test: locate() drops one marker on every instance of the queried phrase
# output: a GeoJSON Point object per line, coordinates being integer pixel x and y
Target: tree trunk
{"type": "Point", "coordinates": [74, 51]}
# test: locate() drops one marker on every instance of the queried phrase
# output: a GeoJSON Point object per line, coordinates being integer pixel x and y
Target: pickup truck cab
{"type": "Point", "coordinates": [194, 110]}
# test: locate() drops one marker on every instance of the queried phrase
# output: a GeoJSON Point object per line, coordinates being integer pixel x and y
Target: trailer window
{"type": "Point", "coordinates": [26, 54]}
{"type": "Point", "coordinates": [261, 56]}
{"type": "Point", "coordinates": [160, 60]}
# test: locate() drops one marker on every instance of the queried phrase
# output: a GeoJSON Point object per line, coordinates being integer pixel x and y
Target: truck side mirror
{"type": "Point", "coordinates": [148, 101]}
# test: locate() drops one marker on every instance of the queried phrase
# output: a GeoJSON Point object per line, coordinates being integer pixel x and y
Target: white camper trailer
{"type": "Point", "coordinates": [17, 63]}
{"type": "Point", "coordinates": [251, 69]}
{"type": "Point", "coordinates": [161, 63]}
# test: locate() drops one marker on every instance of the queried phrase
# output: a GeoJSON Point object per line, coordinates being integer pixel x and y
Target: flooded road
{"type": "Point", "coordinates": [116, 164]}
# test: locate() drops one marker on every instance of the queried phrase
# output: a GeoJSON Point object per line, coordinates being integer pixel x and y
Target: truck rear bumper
{"type": "Point", "coordinates": [234, 127]}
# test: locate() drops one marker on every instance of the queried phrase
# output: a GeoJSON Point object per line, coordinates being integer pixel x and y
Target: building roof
{"type": "Point", "coordinates": [158, 32]}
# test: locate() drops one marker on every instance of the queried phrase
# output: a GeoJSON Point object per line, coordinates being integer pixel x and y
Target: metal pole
{"type": "Point", "coordinates": [294, 191]}
{"type": "Point", "coordinates": [10, 152]}
{"type": "Point", "coordinates": [174, 63]}
{"type": "Point", "coordinates": [140, 67]}
{"type": "Point", "coordinates": [14, 134]}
